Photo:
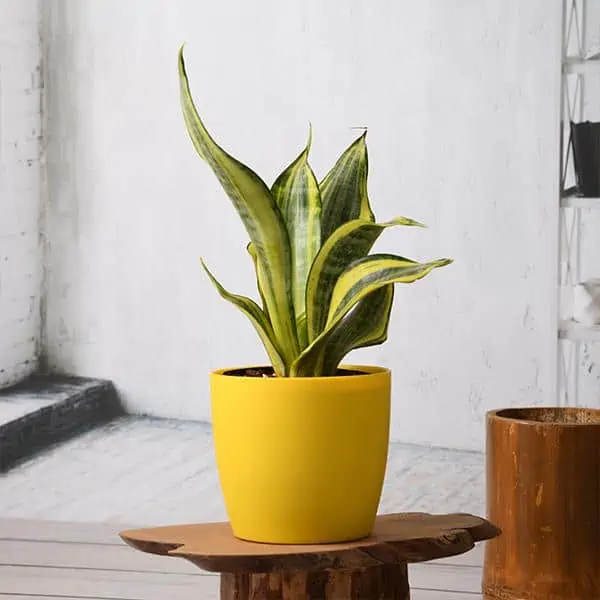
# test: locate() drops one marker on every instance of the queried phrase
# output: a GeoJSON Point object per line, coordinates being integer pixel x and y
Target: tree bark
{"type": "Point", "coordinates": [384, 582]}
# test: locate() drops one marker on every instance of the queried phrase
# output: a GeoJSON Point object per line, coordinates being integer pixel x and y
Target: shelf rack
{"type": "Point", "coordinates": [578, 61]}
{"type": "Point", "coordinates": [575, 201]}
{"type": "Point", "coordinates": [573, 331]}
{"type": "Point", "coordinates": [581, 66]}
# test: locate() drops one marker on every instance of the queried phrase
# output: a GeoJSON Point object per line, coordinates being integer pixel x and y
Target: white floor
{"type": "Point", "coordinates": [146, 471]}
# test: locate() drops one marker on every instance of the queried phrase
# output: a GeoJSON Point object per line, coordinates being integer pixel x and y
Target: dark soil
{"type": "Point", "coordinates": [268, 372]}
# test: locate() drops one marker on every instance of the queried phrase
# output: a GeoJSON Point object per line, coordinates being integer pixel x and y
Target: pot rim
{"type": "Point", "coordinates": [497, 416]}
{"type": "Point", "coordinates": [369, 372]}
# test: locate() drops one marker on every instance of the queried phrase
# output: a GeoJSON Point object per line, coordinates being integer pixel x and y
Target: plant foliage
{"type": "Point", "coordinates": [322, 293]}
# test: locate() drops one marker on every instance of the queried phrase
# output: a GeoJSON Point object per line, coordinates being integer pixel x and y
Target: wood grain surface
{"type": "Point", "coordinates": [387, 582]}
{"type": "Point", "coordinates": [543, 491]}
{"type": "Point", "coordinates": [396, 538]}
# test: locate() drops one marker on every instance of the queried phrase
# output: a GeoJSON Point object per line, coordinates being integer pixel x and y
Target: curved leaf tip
{"type": "Point", "coordinates": [403, 221]}
{"type": "Point", "coordinates": [207, 270]}
{"type": "Point", "coordinates": [443, 262]}
{"type": "Point", "coordinates": [181, 60]}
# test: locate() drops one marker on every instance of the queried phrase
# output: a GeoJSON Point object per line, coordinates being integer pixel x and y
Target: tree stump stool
{"type": "Point", "coordinates": [371, 568]}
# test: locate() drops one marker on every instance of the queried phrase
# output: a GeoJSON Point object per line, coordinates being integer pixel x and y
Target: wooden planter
{"type": "Point", "coordinates": [543, 492]}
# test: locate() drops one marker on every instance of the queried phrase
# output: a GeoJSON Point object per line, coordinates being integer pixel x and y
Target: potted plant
{"type": "Point", "coordinates": [301, 445]}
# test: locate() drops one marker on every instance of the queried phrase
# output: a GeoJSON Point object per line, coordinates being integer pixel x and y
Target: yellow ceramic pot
{"type": "Point", "coordinates": [301, 460]}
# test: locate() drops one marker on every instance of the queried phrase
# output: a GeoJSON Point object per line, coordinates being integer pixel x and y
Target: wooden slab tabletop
{"type": "Point", "coordinates": [396, 538]}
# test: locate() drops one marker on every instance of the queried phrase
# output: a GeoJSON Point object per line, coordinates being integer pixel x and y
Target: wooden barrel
{"type": "Point", "coordinates": [543, 492]}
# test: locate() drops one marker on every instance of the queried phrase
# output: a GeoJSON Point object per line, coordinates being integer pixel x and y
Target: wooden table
{"type": "Point", "coordinates": [375, 567]}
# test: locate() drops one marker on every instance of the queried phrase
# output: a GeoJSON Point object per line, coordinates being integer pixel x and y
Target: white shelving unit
{"type": "Point", "coordinates": [571, 330]}
{"type": "Point", "coordinates": [578, 62]}
{"type": "Point", "coordinates": [581, 66]}
{"type": "Point", "coordinates": [573, 201]}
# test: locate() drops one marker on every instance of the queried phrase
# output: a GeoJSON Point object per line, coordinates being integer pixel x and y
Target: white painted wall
{"type": "Point", "coordinates": [461, 100]}
{"type": "Point", "coordinates": [20, 134]}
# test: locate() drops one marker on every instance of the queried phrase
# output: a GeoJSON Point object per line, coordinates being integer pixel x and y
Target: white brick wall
{"type": "Point", "coordinates": [20, 135]}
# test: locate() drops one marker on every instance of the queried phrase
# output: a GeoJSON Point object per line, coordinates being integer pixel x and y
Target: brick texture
{"type": "Point", "coordinates": [20, 136]}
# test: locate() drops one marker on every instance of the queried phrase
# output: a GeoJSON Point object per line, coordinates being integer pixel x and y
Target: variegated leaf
{"type": "Point", "coordinates": [259, 321]}
{"type": "Point", "coordinates": [296, 192]}
{"type": "Point", "coordinates": [344, 189]}
{"type": "Point", "coordinates": [261, 217]}
{"type": "Point", "coordinates": [365, 325]}
{"type": "Point", "coordinates": [358, 281]}
{"type": "Point", "coordinates": [348, 243]}
{"type": "Point", "coordinates": [367, 274]}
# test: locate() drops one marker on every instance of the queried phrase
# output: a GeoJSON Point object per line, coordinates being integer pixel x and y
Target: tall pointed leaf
{"type": "Point", "coordinates": [361, 278]}
{"type": "Point", "coordinates": [296, 192]}
{"type": "Point", "coordinates": [365, 325]}
{"type": "Point", "coordinates": [348, 243]}
{"type": "Point", "coordinates": [259, 321]}
{"type": "Point", "coordinates": [344, 189]}
{"type": "Point", "coordinates": [260, 215]}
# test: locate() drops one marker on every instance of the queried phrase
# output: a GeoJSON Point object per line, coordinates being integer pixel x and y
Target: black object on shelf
{"type": "Point", "coordinates": [585, 140]}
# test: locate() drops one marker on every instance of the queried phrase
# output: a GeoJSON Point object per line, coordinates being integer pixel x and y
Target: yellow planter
{"type": "Point", "coordinates": [301, 460]}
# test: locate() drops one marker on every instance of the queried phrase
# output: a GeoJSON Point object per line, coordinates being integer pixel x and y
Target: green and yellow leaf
{"type": "Point", "coordinates": [296, 192]}
{"type": "Point", "coordinates": [370, 273]}
{"type": "Point", "coordinates": [259, 321]}
{"type": "Point", "coordinates": [358, 281]}
{"type": "Point", "coordinates": [344, 189]}
{"type": "Point", "coordinates": [261, 217]}
{"type": "Point", "coordinates": [348, 243]}
{"type": "Point", "coordinates": [365, 325]}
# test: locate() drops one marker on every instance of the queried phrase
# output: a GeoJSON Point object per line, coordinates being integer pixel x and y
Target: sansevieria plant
{"type": "Point", "coordinates": [301, 453]}
{"type": "Point", "coordinates": [322, 294]}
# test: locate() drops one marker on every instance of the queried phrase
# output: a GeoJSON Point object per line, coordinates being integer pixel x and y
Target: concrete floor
{"type": "Point", "coordinates": [149, 471]}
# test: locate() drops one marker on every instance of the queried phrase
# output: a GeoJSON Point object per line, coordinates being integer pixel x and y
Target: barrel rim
{"type": "Point", "coordinates": [547, 416]}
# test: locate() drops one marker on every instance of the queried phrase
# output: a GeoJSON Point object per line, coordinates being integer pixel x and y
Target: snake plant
{"type": "Point", "coordinates": [322, 294]}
